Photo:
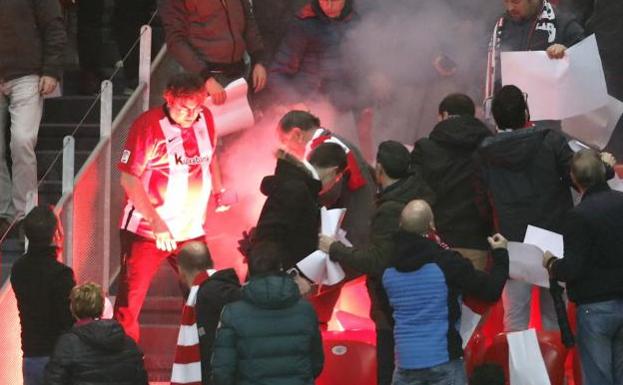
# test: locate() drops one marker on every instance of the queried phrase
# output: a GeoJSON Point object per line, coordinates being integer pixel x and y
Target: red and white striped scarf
{"type": "Point", "coordinates": [187, 364]}
{"type": "Point", "coordinates": [356, 179]}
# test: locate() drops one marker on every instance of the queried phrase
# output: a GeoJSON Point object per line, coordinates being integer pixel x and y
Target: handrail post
{"type": "Point", "coordinates": [144, 66]}
{"type": "Point", "coordinates": [105, 132]}
{"type": "Point", "coordinates": [69, 145]}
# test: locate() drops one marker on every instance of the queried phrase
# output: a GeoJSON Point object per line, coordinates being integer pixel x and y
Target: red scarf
{"type": "Point", "coordinates": [187, 364]}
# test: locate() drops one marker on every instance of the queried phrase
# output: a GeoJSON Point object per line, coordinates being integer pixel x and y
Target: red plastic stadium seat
{"type": "Point", "coordinates": [349, 358]}
{"type": "Point", "coordinates": [554, 354]}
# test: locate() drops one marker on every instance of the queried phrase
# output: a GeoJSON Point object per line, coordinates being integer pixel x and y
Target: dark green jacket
{"type": "Point", "coordinates": [375, 257]}
{"type": "Point", "coordinates": [271, 337]}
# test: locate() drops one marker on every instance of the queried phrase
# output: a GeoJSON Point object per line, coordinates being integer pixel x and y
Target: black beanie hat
{"type": "Point", "coordinates": [395, 159]}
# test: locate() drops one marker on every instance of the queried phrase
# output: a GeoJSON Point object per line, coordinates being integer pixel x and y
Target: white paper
{"type": "Point", "coordinates": [595, 127]}
{"type": "Point", "coordinates": [235, 114]}
{"type": "Point", "coordinates": [469, 321]}
{"type": "Point", "coordinates": [545, 240]}
{"type": "Point", "coordinates": [318, 266]}
{"type": "Point", "coordinates": [562, 88]}
{"type": "Point", "coordinates": [525, 360]}
{"type": "Point", "coordinates": [526, 264]}
{"type": "Point", "coordinates": [616, 183]}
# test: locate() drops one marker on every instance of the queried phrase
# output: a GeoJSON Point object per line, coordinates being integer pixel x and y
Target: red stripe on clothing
{"type": "Point", "coordinates": [187, 354]}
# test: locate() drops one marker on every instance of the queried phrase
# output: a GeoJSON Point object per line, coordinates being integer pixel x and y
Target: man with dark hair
{"type": "Point", "coordinates": [42, 286]}
{"type": "Point", "coordinates": [526, 172]}
{"type": "Point", "coordinates": [210, 290]}
{"type": "Point", "coordinates": [397, 187]}
{"type": "Point", "coordinates": [166, 174]}
{"type": "Point", "coordinates": [487, 374]}
{"type": "Point", "coordinates": [271, 335]}
{"type": "Point", "coordinates": [210, 38]}
{"type": "Point", "coordinates": [456, 105]}
{"type": "Point", "coordinates": [593, 270]}
{"type": "Point", "coordinates": [425, 284]}
{"type": "Point", "coordinates": [530, 25]}
{"type": "Point", "coordinates": [446, 160]}
{"type": "Point", "coordinates": [32, 41]}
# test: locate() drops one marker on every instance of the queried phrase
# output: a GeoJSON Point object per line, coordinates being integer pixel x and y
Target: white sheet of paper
{"type": "Point", "coordinates": [525, 360]}
{"type": "Point", "coordinates": [469, 321]}
{"type": "Point", "coordinates": [235, 114]}
{"type": "Point", "coordinates": [595, 127]}
{"type": "Point", "coordinates": [616, 183]}
{"type": "Point", "coordinates": [318, 266]}
{"type": "Point", "coordinates": [558, 89]}
{"type": "Point", "coordinates": [526, 264]}
{"type": "Point", "coordinates": [545, 240]}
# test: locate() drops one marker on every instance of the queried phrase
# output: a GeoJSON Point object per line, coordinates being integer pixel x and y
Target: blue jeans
{"type": "Point", "coordinates": [450, 373]}
{"type": "Point", "coordinates": [33, 369]}
{"type": "Point", "coordinates": [600, 341]}
{"type": "Point", "coordinates": [21, 107]}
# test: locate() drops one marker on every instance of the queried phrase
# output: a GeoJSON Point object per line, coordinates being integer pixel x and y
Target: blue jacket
{"type": "Point", "coordinates": [308, 61]}
{"type": "Point", "coordinates": [424, 285]}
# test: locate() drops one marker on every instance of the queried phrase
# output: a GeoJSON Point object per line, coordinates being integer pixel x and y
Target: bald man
{"type": "Point", "coordinates": [425, 284]}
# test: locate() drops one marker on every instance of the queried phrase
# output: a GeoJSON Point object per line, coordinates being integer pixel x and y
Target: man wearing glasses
{"type": "Point", "coordinates": [166, 172]}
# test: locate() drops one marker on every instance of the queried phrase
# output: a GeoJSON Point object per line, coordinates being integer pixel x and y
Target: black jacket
{"type": "Point", "coordinates": [271, 336]}
{"type": "Point", "coordinates": [42, 286]}
{"type": "Point", "coordinates": [220, 289]}
{"type": "Point", "coordinates": [374, 257]}
{"type": "Point", "coordinates": [32, 38]}
{"type": "Point", "coordinates": [526, 172]}
{"type": "Point", "coordinates": [593, 262]}
{"type": "Point", "coordinates": [98, 352]}
{"type": "Point", "coordinates": [290, 216]}
{"type": "Point", "coordinates": [446, 160]}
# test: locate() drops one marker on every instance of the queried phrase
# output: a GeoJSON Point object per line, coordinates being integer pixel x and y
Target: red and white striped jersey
{"type": "Point", "coordinates": [173, 164]}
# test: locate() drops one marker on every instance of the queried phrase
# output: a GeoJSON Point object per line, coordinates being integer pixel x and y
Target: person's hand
{"type": "Point", "coordinates": [259, 77]}
{"type": "Point", "coordinates": [608, 158]}
{"type": "Point", "coordinates": [245, 244]}
{"type": "Point", "coordinates": [164, 239]}
{"type": "Point", "coordinates": [216, 91]}
{"type": "Point", "coordinates": [59, 237]}
{"type": "Point", "coordinates": [497, 241]}
{"type": "Point", "coordinates": [556, 51]}
{"type": "Point", "coordinates": [303, 284]}
{"type": "Point", "coordinates": [47, 85]}
{"type": "Point", "coordinates": [325, 242]}
{"type": "Point", "coordinates": [547, 259]}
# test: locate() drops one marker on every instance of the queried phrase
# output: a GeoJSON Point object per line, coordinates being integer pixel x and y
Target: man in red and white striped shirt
{"type": "Point", "coordinates": [166, 173]}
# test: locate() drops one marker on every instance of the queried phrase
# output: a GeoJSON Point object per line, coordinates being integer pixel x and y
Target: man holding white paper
{"type": "Point", "coordinates": [530, 25]}
{"type": "Point", "coordinates": [593, 270]}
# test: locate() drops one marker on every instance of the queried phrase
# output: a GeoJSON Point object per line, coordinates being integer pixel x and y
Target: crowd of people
{"type": "Point", "coordinates": [428, 228]}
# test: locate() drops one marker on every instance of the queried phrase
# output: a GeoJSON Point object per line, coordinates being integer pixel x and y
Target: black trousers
{"type": "Point", "coordinates": [384, 356]}
{"type": "Point", "coordinates": [90, 33]}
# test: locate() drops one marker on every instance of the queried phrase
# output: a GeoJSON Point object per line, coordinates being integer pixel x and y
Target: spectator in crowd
{"type": "Point", "coordinates": [397, 187]}
{"type": "Point", "coordinates": [94, 350]}
{"type": "Point", "coordinates": [210, 290]}
{"type": "Point", "coordinates": [271, 335]}
{"type": "Point", "coordinates": [166, 174]}
{"type": "Point", "coordinates": [531, 25]}
{"type": "Point", "coordinates": [446, 160]}
{"type": "Point", "coordinates": [42, 286]}
{"type": "Point", "coordinates": [300, 133]}
{"type": "Point", "coordinates": [290, 217]}
{"type": "Point", "coordinates": [526, 172]}
{"type": "Point", "coordinates": [210, 37]}
{"type": "Point", "coordinates": [487, 374]}
{"type": "Point", "coordinates": [309, 62]}
{"type": "Point", "coordinates": [32, 39]}
{"type": "Point", "coordinates": [593, 270]}
{"type": "Point", "coordinates": [424, 284]}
